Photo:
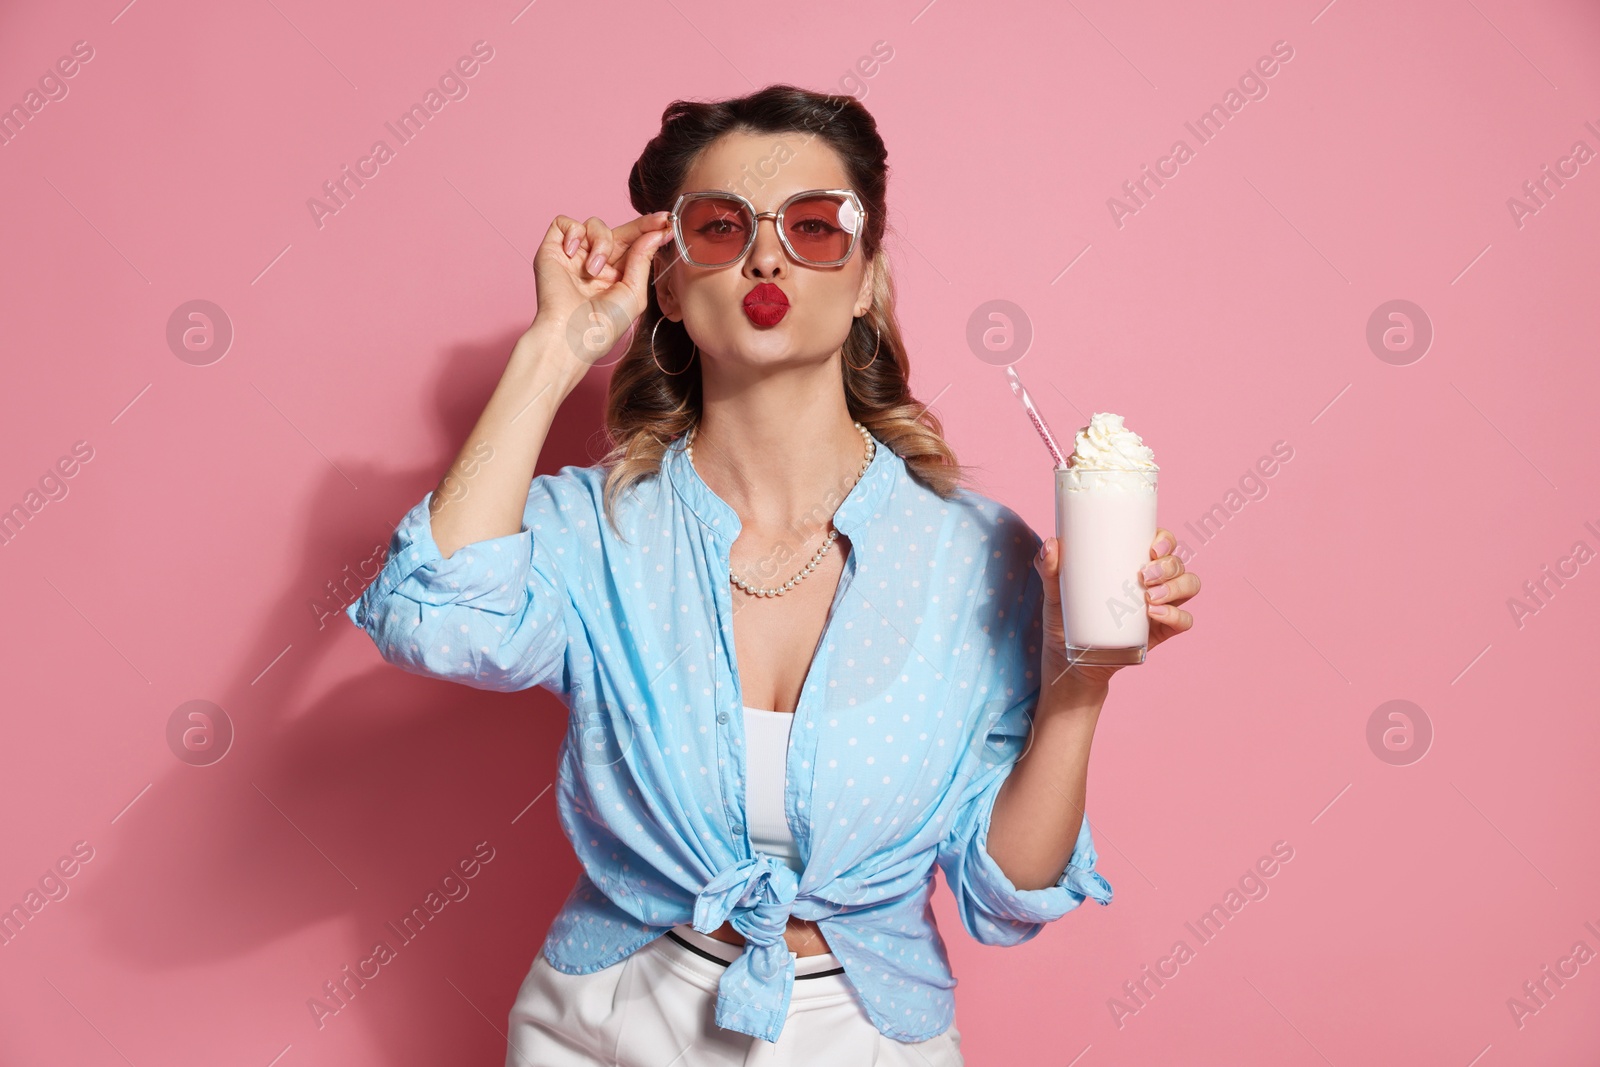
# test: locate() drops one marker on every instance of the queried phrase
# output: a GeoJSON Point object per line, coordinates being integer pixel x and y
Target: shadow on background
{"type": "Point", "coordinates": [350, 799]}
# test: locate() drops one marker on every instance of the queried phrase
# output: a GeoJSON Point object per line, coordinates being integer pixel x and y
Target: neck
{"type": "Point", "coordinates": [782, 458]}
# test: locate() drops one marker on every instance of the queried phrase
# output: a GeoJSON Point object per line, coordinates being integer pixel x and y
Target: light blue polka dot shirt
{"type": "Point", "coordinates": [915, 708]}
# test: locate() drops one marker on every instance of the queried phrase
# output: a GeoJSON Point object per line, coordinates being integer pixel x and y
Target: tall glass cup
{"type": "Point", "coordinates": [1105, 521]}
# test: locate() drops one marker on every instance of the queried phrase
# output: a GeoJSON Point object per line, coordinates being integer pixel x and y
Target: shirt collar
{"type": "Point", "coordinates": [863, 501]}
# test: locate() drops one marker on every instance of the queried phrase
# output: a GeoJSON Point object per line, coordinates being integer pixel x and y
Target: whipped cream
{"type": "Point", "coordinates": [1106, 444]}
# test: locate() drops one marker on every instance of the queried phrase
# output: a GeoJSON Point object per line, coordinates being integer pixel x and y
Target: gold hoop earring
{"type": "Point", "coordinates": [657, 360]}
{"type": "Point", "coordinates": [876, 344]}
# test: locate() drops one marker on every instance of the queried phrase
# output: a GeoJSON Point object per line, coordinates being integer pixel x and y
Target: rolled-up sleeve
{"type": "Point", "coordinates": [492, 616]}
{"type": "Point", "coordinates": [992, 909]}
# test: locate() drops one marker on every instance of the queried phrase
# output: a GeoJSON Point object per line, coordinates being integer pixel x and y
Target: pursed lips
{"type": "Point", "coordinates": [766, 304]}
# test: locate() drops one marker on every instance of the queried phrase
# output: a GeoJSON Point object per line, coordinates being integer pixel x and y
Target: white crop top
{"type": "Point", "coordinates": [767, 740]}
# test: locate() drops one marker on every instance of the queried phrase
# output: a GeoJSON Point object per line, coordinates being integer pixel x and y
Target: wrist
{"type": "Point", "coordinates": [1067, 687]}
{"type": "Point", "coordinates": [542, 357]}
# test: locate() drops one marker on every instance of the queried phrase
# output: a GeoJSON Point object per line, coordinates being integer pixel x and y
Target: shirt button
{"type": "Point", "coordinates": [722, 716]}
{"type": "Point", "coordinates": [738, 828]}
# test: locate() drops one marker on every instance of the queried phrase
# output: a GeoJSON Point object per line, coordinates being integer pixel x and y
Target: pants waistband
{"type": "Point", "coordinates": [819, 965]}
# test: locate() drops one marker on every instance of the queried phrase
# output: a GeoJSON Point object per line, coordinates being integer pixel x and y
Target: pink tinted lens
{"type": "Point", "coordinates": [820, 228]}
{"type": "Point", "coordinates": [715, 229]}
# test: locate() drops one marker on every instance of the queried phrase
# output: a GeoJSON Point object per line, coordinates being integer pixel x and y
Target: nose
{"type": "Point", "coordinates": [767, 259]}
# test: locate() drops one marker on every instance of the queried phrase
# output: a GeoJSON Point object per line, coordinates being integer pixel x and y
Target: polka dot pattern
{"type": "Point", "coordinates": [916, 706]}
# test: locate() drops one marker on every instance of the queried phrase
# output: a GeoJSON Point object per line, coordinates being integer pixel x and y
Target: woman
{"type": "Point", "coordinates": [803, 663]}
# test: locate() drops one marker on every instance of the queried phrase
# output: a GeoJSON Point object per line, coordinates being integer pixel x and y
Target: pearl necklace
{"type": "Point", "coordinates": [833, 534]}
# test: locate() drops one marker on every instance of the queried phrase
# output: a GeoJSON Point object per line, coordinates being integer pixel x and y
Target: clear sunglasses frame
{"type": "Point", "coordinates": [757, 216]}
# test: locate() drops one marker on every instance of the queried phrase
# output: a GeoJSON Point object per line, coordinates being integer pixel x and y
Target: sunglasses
{"type": "Point", "coordinates": [818, 227]}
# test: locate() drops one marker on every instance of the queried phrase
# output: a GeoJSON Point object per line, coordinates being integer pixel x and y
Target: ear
{"type": "Point", "coordinates": [864, 294]}
{"type": "Point", "coordinates": [662, 272]}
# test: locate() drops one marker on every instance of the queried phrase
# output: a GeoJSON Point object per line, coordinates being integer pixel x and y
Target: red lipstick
{"type": "Point", "coordinates": [766, 305]}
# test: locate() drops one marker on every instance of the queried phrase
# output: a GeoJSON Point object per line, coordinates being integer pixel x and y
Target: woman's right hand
{"type": "Point", "coordinates": [593, 281]}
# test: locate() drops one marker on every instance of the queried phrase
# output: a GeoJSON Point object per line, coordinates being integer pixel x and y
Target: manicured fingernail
{"type": "Point", "coordinates": [1158, 592]}
{"type": "Point", "coordinates": [1153, 571]}
{"type": "Point", "coordinates": [1159, 609]}
{"type": "Point", "coordinates": [596, 262]}
{"type": "Point", "coordinates": [1164, 547]}
{"type": "Point", "coordinates": [1044, 548]}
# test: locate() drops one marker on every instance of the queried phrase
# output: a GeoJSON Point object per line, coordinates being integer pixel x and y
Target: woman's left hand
{"type": "Point", "coordinates": [1166, 586]}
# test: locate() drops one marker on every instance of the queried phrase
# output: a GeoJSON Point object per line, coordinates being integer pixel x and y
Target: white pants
{"type": "Point", "coordinates": [657, 1008]}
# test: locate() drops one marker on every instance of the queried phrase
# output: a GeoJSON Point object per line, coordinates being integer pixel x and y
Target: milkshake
{"type": "Point", "coordinates": [1106, 520]}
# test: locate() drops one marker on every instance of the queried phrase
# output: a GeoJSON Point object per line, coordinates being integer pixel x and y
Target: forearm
{"type": "Point", "coordinates": [1038, 811]}
{"type": "Point", "coordinates": [484, 492]}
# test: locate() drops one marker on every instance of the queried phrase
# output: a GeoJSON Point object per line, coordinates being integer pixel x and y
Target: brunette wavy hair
{"type": "Point", "coordinates": [646, 409]}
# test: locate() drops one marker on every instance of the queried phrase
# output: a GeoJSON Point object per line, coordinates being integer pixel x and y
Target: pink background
{"type": "Point", "coordinates": [1229, 313]}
